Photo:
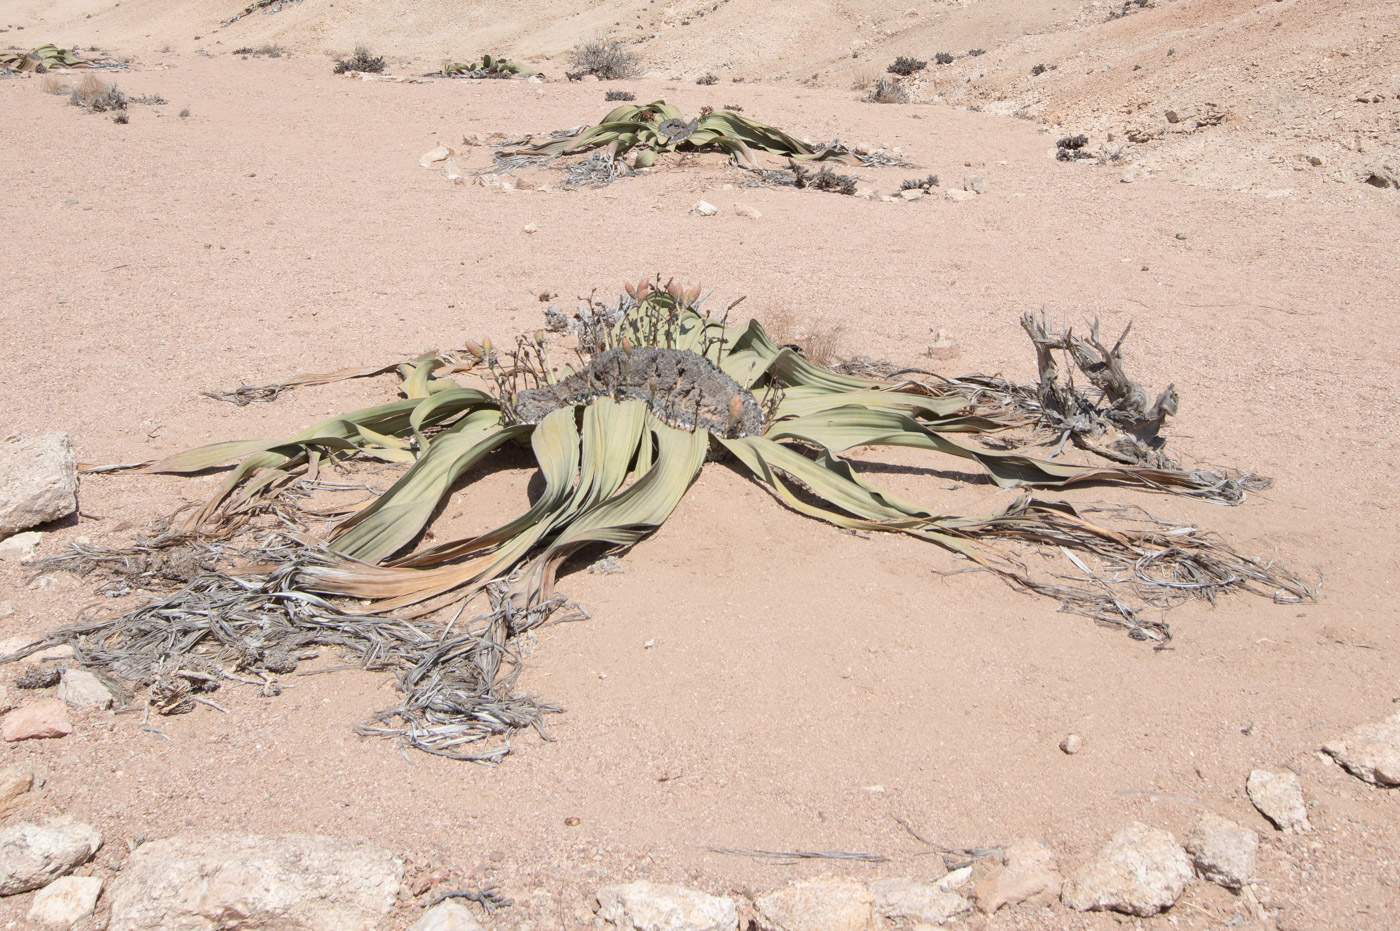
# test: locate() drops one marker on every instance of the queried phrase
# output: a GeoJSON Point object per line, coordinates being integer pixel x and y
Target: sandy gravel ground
{"type": "Point", "coordinates": [806, 688]}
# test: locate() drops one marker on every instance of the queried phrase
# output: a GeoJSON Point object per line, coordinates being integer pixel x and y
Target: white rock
{"type": "Point", "coordinates": [704, 209]}
{"type": "Point", "coordinates": [744, 210]}
{"type": "Point", "coordinates": [955, 194]}
{"type": "Point", "coordinates": [452, 169]}
{"type": "Point", "coordinates": [976, 184]}
{"type": "Point", "coordinates": [822, 904]}
{"type": "Point", "coordinates": [646, 906]}
{"type": "Point", "coordinates": [1140, 872]}
{"type": "Point", "coordinates": [7, 608]}
{"type": "Point", "coordinates": [38, 480]}
{"type": "Point", "coordinates": [34, 855]}
{"type": "Point", "coordinates": [433, 156]}
{"type": "Point", "coordinates": [15, 782]}
{"type": "Point", "coordinates": [1072, 744]}
{"type": "Point", "coordinates": [1028, 871]}
{"type": "Point", "coordinates": [866, 193]}
{"type": "Point", "coordinates": [66, 901]}
{"type": "Point", "coordinates": [530, 228]}
{"type": "Point", "coordinates": [206, 881]}
{"type": "Point", "coordinates": [1222, 851]}
{"type": "Point", "coordinates": [1370, 752]}
{"type": "Point", "coordinates": [912, 194]}
{"type": "Point", "coordinates": [47, 717]}
{"type": "Point", "coordinates": [906, 900]}
{"type": "Point", "coordinates": [21, 547]}
{"type": "Point", "coordinates": [1279, 797]}
{"type": "Point", "coordinates": [82, 689]}
{"type": "Point", "coordinates": [15, 644]}
{"type": "Point", "coordinates": [447, 916]}
{"type": "Point", "coordinates": [5, 702]}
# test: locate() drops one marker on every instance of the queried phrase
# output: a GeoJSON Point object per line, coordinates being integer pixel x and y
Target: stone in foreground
{"type": "Point", "coordinates": [647, 906]}
{"type": "Point", "coordinates": [15, 782]}
{"type": "Point", "coordinates": [906, 900]}
{"type": "Point", "coordinates": [65, 902]}
{"type": "Point", "coordinates": [1223, 852]}
{"type": "Point", "coordinates": [1028, 871]}
{"type": "Point", "coordinates": [1370, 752]}
{"type": "Point", "coordinates": [81, 689]}
{"type": "Point", "coordinates": [291, 883]}
{"type": "Point", "coordinates": [38, 481]}
{"type": "Point", "coordinates": [1279, 797]}
{"type": "Point", "coordinates": [447, 916]}
{"type": "Point", "coordinates": [822, 904]}
{"type": "Point", "coordinates": [47, 717]}
{"type": "Point", "coordinates": [34, 855]}
{"type": "Point", "coordinates": [1142, 871]}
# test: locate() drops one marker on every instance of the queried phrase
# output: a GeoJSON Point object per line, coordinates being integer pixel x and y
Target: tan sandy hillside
{"type": "Point", "coordinates": [1306, 93]}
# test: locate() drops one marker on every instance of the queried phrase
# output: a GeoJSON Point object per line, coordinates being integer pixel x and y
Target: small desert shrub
{"type": "Point", "coordinates": [1129, 6]}
{"type": "Point", "coordinates": [887, 91]}
{"type": "Point", "coordinates": [53, 85]}
{"type": "Point", "coordinates": [121, 117]}
{"type": "Point", "coordinates": [733, 108]}
{"type": "Point", "coordinates": [1038, 70]}
{"type": "Point", "coordinates": [362, 60]}
{"type": "Point", "coordinates": [619, 95]}
{"type": "Point", "coordinates": [243, 50]}
{"type": "Point", "coordinates": [818, 341]}
{"type": "Point", "coordinates": [905, 66]}
{"type": "Point", "coordinates": [975, 52]}
{"type": "Point", "coordinates": [607, 59]}
{"type": "Point", "coordinates": [97, 96]}
{"type": "Point", "coordinates": [1071, 148]}
{"type": "Point", "coordinates": [706, 80]}
{"type": "Point", "coordinates": [943, 58]}
{"type": "Point", "coordinates": [185, 113]}
{"type": "Point", "coordinates": [922, 184]}
{"type": "Point", "coordinates": [824, 180]}
{"type": "Point", "coordinates": [271, 51]}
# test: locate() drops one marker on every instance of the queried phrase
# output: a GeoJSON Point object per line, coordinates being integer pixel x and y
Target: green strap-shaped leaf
{"type": "Point", "coordinates": [398, 515]}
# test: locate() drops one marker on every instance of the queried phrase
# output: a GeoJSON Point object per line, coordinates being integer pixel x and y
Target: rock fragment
{"type": "Point", "coordinates": [66, 901]}
{"type": "Point", "coordinates": [1072, 744]}
{"type": "Point", "coordinates": [45, 718]}
{"type": "Point", "coordinates": [21, 547]}
{"type": "Point", "coordinates": [1027, 871]}
{"type": "Point", "coordinates": [15, 782]}
{"type": "Point", "coordinates": [38, 480]}
{"type": "Point", "coordinates": [1141, 871]}
{"type": "Point", "coordinates": [81, 689]}
{"type": "Point", "coordinates": [1384, 176]}
{"type": "Point", "coordinates": [821, 904]}
{"type": "Point", "coordinates": [703, 208]}
{"type": "Point", "coordinates": [1370, 752]}
{"type": "Point", "coordinates": [955, 194]}
{"type": "Point", "coordinates": [1222, 852]}
{"type": "Point", "coordinates": [902, 900]}
{"type": "Point", "coordinates": [1279, 797]}
{"type": "Point", "coordinates": [433, 156]}
{"type": "Point", "coordinates": [303, 882]}
{"type": "Point", "coordinates": [647, 906]}
{"type": "Point", "coordinates": [447, 916]}
{"type": "Point", "coordinates": [976, 184]}
{"type": "Point", "coordinates": [744, 210]}
{"type": "Point", "coordinates": [34, 855]}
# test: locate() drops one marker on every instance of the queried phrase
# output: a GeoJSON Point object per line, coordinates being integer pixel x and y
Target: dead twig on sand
{"type": "Point", "coordinates": [801, 854]}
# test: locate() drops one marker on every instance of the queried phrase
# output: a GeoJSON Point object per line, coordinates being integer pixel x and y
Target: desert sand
{"type": "Point", "coordinates": [804, 689]}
